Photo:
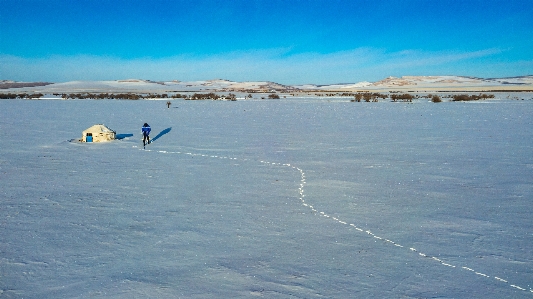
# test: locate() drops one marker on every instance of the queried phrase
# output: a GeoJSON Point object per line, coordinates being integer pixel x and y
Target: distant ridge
{"type": "Point", "coordinates": [5, 84]}
{"type": "Point", "coordinates": [429, 83]}
{"type": "Point", "coordinates": [407, 83]}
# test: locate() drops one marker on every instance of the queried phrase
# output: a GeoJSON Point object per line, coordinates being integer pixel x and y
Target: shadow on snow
{"type": "Point", "coordinates": [165, 131]}
{"type": "Point", "coordinates": [122, 136]}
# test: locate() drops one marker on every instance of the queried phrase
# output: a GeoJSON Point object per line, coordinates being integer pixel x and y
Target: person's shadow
{"type": "Point", "coordinates": [165, 131]}
{"type": "Point", "coordinates": [122, 136]}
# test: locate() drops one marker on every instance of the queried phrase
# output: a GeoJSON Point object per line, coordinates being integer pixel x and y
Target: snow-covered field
{"type": "Point", "coordinates": [294, 198]}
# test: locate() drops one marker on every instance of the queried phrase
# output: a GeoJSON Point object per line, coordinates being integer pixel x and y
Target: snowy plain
{"type": "Point", "coordinates": [291, 198]}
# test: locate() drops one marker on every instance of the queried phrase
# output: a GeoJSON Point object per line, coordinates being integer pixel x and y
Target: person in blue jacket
{"type": "Point", "coordinates": [146, 133]}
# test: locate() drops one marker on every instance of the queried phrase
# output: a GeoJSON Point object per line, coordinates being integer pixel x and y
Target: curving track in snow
{"type": "Point", "coordinates": [319, 213]}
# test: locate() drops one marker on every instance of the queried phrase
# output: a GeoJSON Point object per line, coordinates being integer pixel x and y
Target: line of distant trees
{"type": "Point", "coordinates": [465, 97]}
{"type": "Point", "coordinates": [20, 95]}
{"type": "Point", "coordinates": [373, 97]}
{"type": "Point", "coordinates": [101, 96]}
{"type": "Point", "coordinates": [211, 96]}
{"type": "Point", "coordinates": [369, 97]}
{"type": "Point", "coordinates": [357, 97]}
{"type": "Point", "coordinates": [97, 96]}
{"type": "Point", "coordinates": [120, 96]}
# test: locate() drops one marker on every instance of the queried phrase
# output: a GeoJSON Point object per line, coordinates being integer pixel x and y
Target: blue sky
{"type": "Point", "coordinates": [290, 42]}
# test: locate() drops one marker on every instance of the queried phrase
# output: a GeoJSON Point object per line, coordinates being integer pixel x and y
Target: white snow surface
{"type": "Point", "coordinates": [295, 198]}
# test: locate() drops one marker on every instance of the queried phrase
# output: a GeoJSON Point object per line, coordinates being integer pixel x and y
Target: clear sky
{"type": "Point", "coordinates": [289, 42]}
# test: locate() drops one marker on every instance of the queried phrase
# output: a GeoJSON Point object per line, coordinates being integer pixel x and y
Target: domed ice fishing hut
{"type": "Point", "coordinates": [98, 133]}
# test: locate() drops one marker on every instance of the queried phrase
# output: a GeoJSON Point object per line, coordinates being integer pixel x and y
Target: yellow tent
{"type": "Point", "coordinates": [98, 133]}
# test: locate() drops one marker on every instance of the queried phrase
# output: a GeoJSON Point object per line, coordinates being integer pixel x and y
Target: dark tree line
{"type": "Point", "coordinates": [211, 96]}
{"type": "Point", "coordinates": [102, 96]}
{"type": "Point", "coordinates": [402, 97]}
{"type": "Point", "coordinates": [465, 97]}
{"type": "Point", "coordinates": [122, 96]}
{"type": "Point", "coordinates": [368, 97]}
{"type": "Point", "coordinates": [20, 95]}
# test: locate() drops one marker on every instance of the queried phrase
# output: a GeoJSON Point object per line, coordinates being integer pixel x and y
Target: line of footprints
{"type": "Point", "coordinates": [368, 232]}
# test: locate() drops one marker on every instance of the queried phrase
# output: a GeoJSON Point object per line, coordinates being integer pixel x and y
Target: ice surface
{"type": "Point", "coordinates": [299, 198]}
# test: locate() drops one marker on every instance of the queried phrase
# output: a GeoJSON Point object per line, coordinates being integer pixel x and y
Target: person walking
{"type": "Point", "coordinates": [146, 134]}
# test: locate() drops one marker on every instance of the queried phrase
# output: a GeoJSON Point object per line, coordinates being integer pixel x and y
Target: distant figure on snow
{"type": "Point", "coordinates": [146, 134]}
{"type": "Point", "coordinates": [168, 104]}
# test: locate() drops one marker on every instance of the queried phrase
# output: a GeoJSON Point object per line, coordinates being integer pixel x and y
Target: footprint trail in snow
{"type": "Point", "coordinates": [340, 221]}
